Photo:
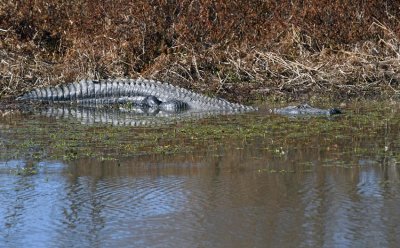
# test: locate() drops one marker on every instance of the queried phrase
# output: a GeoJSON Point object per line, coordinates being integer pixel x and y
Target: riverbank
{"type": "Point", "coordinates": [243, 52]}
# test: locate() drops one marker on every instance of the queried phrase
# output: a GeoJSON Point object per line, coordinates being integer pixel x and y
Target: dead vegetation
{"type": "Point", "coordinates": [242, 50]}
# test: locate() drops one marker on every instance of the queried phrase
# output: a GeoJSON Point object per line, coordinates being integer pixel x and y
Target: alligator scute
{"type": "Point", "coordinates": [140, 92]}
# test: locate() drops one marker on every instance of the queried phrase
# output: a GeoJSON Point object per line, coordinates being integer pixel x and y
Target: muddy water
{"type": "Point", "coordinates": [253, 180]}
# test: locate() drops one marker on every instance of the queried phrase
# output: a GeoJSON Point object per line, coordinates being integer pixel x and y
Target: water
{"type": "Point", "coordinates": [252, 180]}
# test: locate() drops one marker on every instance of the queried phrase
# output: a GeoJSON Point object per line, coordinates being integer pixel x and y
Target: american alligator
{"type": "Point", "coordinates": [149, 94]}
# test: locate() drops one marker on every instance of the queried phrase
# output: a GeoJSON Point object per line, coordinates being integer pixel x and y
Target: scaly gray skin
{"type": "Point", "coordinates": [123, 117]}
{"type": "Point", "coordinates": [147, 93]}
{"type": "Point", "coordinates": [305, 109]}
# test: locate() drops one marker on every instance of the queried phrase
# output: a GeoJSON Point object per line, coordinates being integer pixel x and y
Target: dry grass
{"type": "Point", "coordinates": [241, 50]}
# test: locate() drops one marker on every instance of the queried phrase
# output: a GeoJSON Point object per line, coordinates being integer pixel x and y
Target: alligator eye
{"type": "Point", "coordinates": [152, 101]}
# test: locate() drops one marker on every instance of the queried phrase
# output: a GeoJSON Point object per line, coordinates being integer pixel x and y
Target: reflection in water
{"type": "Point", "coordinates": [27, 206]}
{"type": "Point", "coordinates": [123, 117]}
{"type": "Point", "coordinates": [306, 189]}
{"type": "Point", "coordinates": [157, 204]}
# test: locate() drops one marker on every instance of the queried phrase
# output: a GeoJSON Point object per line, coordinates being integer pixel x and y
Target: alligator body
{"type": "Point", "coordinates": [143, 93]}
{"type": "Point", "coordinates": [150, 96]}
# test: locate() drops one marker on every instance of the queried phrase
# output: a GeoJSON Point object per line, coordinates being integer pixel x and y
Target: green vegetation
{"type": "Point", "coordinates": [28, 170]}
{"type": "Point", "coordinates": [240, 50]}
{"type": "Point", "coordinates": [365, 129]}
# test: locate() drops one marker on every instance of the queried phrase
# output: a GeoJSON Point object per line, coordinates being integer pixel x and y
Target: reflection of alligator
{"type": "Point", "coordinates": [149, 94]}
{"type": "Point", "coordinates": [121, 117]}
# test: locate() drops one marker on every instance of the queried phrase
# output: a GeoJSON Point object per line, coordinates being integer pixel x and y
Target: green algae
{"type": "Point", "coordinates": [29, 170]}
{"type": "Point", "coordinates": [364, 129]}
